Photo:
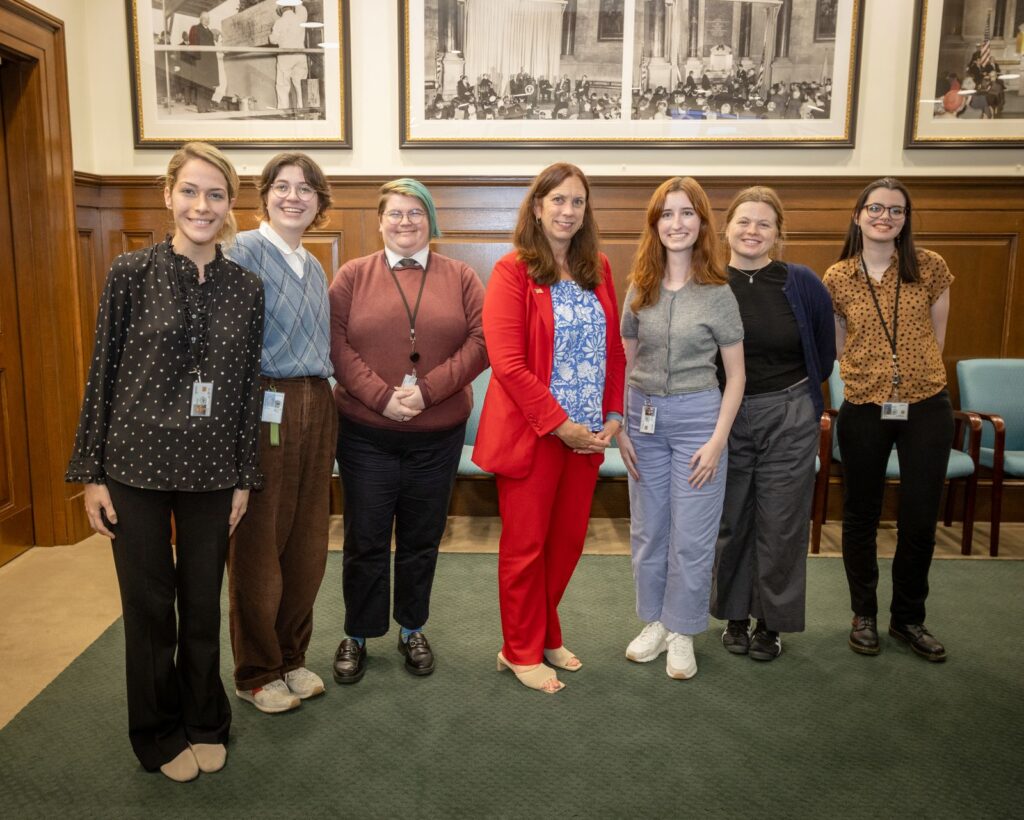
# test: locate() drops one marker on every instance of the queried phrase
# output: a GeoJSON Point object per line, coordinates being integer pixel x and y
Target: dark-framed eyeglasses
{"type": "Point", "coordinates": [876, 209]}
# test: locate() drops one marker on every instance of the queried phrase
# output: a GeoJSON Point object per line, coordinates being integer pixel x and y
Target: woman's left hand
{"type": "Point", "coordinates": [704, 464]}
{"type": "Point", "coordinates": [239, 504]}
{"type": "Point", "coordinates": [606, 435]}
{"type": "Point", "coordinates": [411, 397]}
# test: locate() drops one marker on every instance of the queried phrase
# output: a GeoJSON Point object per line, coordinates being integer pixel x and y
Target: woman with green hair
{"type": "Point", "coordinates": [406, 343]}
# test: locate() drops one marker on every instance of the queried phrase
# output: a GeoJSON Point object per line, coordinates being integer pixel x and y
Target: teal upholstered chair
{"type": "Point", "coordinates": [992, 389]}
{"type": "Point", "coordinates": [466, 465]}
{"type": "Point", "coordinates": [962, 467]}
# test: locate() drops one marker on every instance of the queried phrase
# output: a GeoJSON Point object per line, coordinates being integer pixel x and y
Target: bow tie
{"type": "Point", "coordinates": [406, 262]}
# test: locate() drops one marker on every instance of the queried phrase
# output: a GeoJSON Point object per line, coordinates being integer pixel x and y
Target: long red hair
{"type": "Point", "coordinates": [649, 262]}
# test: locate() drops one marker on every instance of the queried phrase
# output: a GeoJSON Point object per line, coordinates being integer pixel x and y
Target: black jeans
{"type": "Point", "coordinates": [175, 693]}
{"type": "Point", "coordinates": [923, 443]}
{"type": "Point", "coordinates": [396, 480]}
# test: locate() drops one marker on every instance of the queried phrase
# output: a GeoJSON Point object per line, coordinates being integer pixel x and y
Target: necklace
{"type": "Point", "coordinates": [750, 276]}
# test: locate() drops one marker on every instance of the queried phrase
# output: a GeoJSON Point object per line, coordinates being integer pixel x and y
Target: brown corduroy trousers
{"type": "Point", "coordinates": [279, 551]}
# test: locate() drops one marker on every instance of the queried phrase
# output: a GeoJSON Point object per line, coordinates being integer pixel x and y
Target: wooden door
{"type": "Point", "coordinates": [16, 533]}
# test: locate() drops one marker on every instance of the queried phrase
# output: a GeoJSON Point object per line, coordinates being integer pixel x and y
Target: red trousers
{"type": "Point", "coordinates": [544, 520]}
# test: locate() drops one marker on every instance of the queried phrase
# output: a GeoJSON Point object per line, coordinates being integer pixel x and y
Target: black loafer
{"type": "Point", "coordinates": [919, 639]}
{"type": "Point", "coordinates": [864, 635]}
{"type": "Point", "coordinates": [419, 659]}
{"type": "Point", "coordinates": [349, 661]}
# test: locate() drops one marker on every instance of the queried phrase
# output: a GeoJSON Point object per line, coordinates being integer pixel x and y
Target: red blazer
{"type": "Point", "coordinates": [519, 330]}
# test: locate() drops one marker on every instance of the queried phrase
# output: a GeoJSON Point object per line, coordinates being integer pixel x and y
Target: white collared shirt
{"type": "Point", "coordinates": [296, 258]}
{"type": "Point", "coordinates": [420, 256]}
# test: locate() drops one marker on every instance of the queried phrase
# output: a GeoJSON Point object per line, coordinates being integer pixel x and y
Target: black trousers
{"type": "Point", "coordinates": [175, 693]}
{"type": "Point", "coordinates": [922, 442]}
{"type": "Point", "coordinates": [401, 481]}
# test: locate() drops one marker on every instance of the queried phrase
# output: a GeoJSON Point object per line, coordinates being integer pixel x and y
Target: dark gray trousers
{"type": "Point", "coordinates": [761, 554]}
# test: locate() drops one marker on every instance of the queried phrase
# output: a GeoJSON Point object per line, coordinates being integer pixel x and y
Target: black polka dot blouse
{"type": "Point", "coordinates": [155, 321]}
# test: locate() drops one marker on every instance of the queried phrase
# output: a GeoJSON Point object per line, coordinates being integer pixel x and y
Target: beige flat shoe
{"type": "Point", "coordinates": [183, 768]}
{"type": "Point", "coordinates": [211, 757]}
{"type": "Point", "coordinates": [534, 677]}
{"type": "Point", "coordinates": [563, 659]}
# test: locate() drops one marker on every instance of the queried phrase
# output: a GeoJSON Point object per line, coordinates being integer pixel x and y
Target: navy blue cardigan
{"type": "Point", "coordinates": [812, 307]}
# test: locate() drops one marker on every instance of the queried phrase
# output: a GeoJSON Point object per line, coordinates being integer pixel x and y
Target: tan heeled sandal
{"type": "Point", "coordinates": [563, 659]}
{"type": "Point", "coordinates": [533, 678]}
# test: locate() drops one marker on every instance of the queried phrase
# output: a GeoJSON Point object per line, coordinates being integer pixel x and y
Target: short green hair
{"type": "Point", "coordinates": [407, 186]}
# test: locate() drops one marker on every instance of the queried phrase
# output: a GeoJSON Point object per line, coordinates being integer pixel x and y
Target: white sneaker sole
{"type": "Point", "coordinates": [650, 656]}
{"type": "Point", "coordinates": [267, 710]}
{"type": "Point", "coordinates": [680, 674]}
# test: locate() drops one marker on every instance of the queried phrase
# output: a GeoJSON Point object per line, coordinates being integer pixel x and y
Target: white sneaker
{"type": "Point", "coordinates": [680, 663]}
{"type": "Point", "coordinates": [273, 698]}
{"type": "Point", "coordinates": [648, 644]}
{"type": "Point", "coordinates": [304, 683]}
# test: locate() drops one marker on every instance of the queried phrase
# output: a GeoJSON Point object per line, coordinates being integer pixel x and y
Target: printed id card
{"type": "Point", "coordinates": [409, 380]}
{"type": "Point", "coordinates": [273, 407]}
{"type": "Point", "coordinates": [895, 411]}
{"type": "Point", "coordinates": [202, 399]}
{"type": "Point", "coordinates": [648, 417]}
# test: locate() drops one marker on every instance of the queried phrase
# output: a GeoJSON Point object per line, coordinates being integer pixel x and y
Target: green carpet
{"type": "Point", "coordinates": [821, 732]}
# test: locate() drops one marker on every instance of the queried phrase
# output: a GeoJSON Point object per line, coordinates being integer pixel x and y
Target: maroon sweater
{"type": "Point", "coordinates": [370, 340]}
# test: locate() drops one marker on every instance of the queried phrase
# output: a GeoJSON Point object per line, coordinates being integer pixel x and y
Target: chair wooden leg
{"type": "Point", "coordinates": [819, 510]}
{"type": "Point", "coordinates": [997, 510]}
{"type": "Point", "coordinates": [970, 496]}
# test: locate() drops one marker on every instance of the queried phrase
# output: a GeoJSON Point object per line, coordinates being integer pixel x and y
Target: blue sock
{"type": "Point", "coordinates": [360, 641]}
{"type": "Point", "coordinates": [407, 632]}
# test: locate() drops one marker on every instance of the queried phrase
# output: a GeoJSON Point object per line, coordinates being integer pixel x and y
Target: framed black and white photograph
{"type": "Point", "coordinates": [967, 78]}
{"type": "Point", "coordinates": [616, 72]}
{"type": "Point", "coordinates": [240, 72]}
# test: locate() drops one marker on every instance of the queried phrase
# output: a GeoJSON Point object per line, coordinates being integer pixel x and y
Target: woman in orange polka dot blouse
{"type": "Point", "coordinates": [891, 301]}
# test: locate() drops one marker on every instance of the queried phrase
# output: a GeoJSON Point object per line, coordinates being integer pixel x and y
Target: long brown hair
{"type": "Point", "coordinates": [583, 258]}
{"type": "Point", "coordinates": [649, 261]}
{"type": "Point", "coordinates": [313, 174]}
{"type": "Point", "coordinates": [212, 155]}
{"type": "Point", "coordinates": [906, 251]}
{"type": "Point", "coordinates": [761, 193]}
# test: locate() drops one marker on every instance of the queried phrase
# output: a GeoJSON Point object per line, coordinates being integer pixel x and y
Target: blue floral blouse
{"type": "Point", "coordinates": [577, 377]}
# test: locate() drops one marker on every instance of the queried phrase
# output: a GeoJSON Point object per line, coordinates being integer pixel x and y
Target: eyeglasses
{"type": "Point", "coordinates": [895, 211]}
{"type": "Point", "coordinates": [415, 216]}
{"type": "Point", "coordinates": [302, 190]}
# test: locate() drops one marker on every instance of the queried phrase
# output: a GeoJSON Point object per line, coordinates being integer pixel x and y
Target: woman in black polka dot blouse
{"type": "Point", "coordinates": [168, 427]}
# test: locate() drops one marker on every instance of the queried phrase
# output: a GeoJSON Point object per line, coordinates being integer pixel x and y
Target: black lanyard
{"type": "Point", "coordinates": [890, 337]}
{"type": "Point", "coordinates": [411, 313]}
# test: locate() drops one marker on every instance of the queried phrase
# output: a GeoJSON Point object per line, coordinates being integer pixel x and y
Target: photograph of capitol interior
{"type": "Point", "coordinates": [507, 408]}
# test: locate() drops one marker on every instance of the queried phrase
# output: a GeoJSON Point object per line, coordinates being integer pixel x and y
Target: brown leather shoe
{"type": "Point", "coordinates": [864, 635]}
{"type": "Point", "coordinates": [919, 639]}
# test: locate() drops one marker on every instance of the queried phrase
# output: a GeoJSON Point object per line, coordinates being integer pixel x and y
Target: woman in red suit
{"type": "Point", "coordinates": [551, 324]}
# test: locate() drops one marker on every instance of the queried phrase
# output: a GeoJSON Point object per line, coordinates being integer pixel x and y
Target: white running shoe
{"type": "Point", "coordinates": [648, 644]}
{"type": "Point", "coordinates": [273, 698]}
{"type": "Point", "coordinates": [680, 663]}
{"type": "Point", "coordinates": [304, 683]}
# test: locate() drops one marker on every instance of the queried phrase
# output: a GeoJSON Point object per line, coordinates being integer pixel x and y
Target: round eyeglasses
{"type": "Point", "coordinates": [415, 216]}
{"type": "Point", "coordinates": [302, 190]}
{"type": "Point", "coordinates": [895, 211]}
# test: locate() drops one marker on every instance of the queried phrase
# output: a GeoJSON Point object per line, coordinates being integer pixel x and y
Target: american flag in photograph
{"type": "Point", "coordinates": [986, 49]}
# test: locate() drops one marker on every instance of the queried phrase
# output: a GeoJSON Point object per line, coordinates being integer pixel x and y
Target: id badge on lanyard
{"type": "Point", "coordinates": [202, 399]}
{"type": "Point", "coordinates": [648, 417]}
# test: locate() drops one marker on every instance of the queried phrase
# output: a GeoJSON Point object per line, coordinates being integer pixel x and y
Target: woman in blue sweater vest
{"type": "Point", "coordinates": [278, 557]}
{"type": "Point", "coordinates": [788, 346]}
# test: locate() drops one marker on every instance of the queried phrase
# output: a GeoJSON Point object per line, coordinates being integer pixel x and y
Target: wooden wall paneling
{"type": "Point", "coordinates": [976, 227]}
{"type": "Point", "coordinates": [39, 158]}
